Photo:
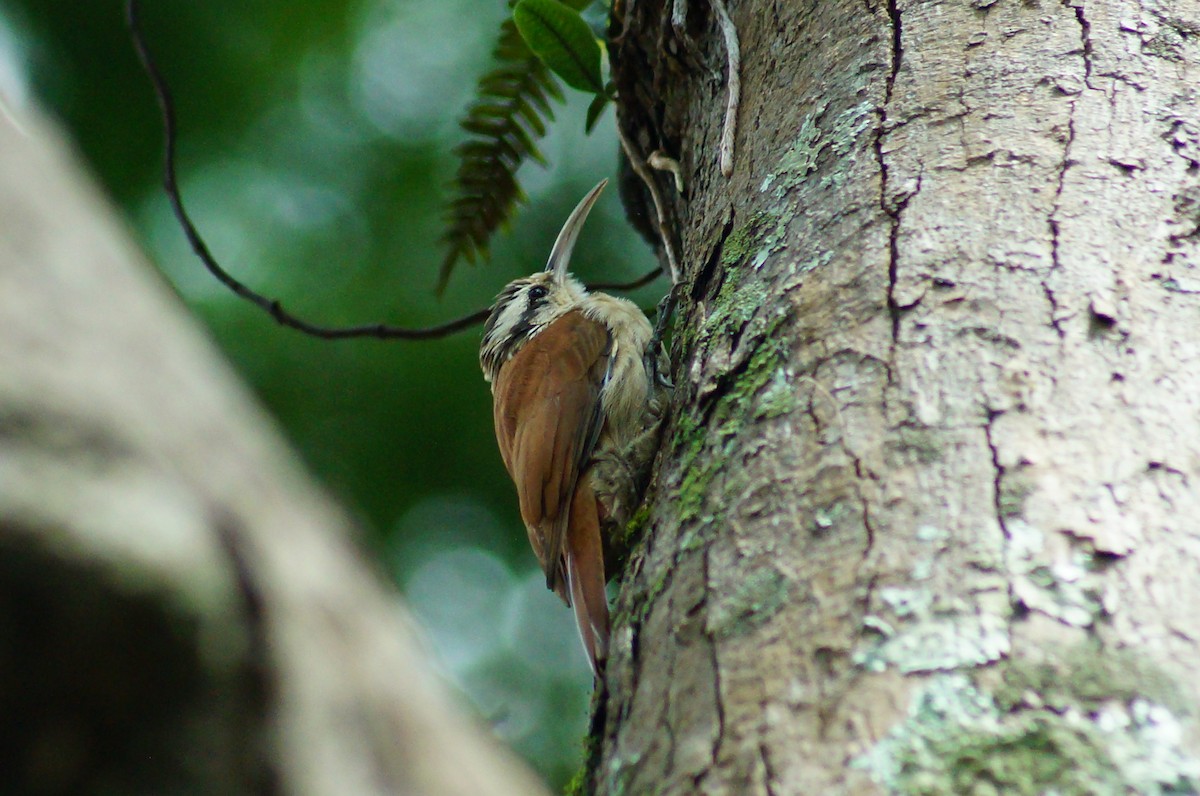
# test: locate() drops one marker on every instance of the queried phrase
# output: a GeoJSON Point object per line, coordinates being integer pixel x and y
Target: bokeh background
{"type": "Point", "coordinates": [315, 153]}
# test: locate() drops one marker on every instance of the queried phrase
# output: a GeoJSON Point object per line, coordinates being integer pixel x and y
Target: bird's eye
{"type": "Point", "coordinates": [537, 292]}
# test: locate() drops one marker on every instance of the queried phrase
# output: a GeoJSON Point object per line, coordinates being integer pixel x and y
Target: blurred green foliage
{"type": "Point", "coordinates": [315, 153]}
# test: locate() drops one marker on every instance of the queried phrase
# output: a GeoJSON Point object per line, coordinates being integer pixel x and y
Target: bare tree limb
{"type": "Point", "coordinates": [184, 611]}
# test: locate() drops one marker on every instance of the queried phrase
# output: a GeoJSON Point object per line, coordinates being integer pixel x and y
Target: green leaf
{"type": "Point", "coordinates": [559, 36]}
{"type": "Point", "coordinates": [594, 110]}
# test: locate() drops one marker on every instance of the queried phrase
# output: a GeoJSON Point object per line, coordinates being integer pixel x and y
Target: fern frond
{"type": "Point", "coordinates": [509, 115]}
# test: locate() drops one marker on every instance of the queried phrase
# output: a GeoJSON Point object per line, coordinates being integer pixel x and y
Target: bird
{"type": "Point", "coordinates": [577, 402]}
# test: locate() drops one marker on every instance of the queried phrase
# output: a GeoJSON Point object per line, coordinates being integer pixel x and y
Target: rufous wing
{"type": "Point", "coordinates": [547, 416]}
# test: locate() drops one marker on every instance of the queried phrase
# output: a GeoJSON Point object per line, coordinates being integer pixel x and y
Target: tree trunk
{"type": "Point", "coordinates": [181, 610]}
{"type": "Point", "coordinates": [926, 520]}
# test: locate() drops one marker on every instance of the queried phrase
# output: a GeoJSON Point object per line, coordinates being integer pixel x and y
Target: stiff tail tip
{"type": "Point", "coordinates": [590, 604]}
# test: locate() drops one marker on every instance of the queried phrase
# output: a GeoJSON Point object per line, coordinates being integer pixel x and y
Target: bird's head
{"type": "Point", "coordinates": [527, 305]}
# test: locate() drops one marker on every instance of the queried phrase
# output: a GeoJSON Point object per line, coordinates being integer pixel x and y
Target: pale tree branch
{"type": "Point", "coordinates": [184, 611]}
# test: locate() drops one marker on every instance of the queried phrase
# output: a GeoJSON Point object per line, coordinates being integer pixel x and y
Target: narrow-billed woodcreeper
{"type": "Point", "coordinates": [577, 404]}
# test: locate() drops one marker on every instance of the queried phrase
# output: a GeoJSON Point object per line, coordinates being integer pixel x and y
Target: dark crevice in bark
{"type": "Point", "coordinates": [998, 496]}
{"type": "Point", "coordinates": [706, 272]}
{"type": "Point", "coordinates": [1085, 33]}
{"type": "Point", "coordinates": [710, 278]}
{"type": "Point", "coordinates": [895, 308]}
{"type": "Point", "coordinates": [1054, 225]}
{"type": "Point", "coordinates": [745, 335]}
{"type": "Point", "coordinates": [997, 483]}
{"type": "Point", "coordinates": [768, 772]}
{"type": "Point", "coordinates": [893, 276]}
{"type": "Point", "coordinates": [897, 49]}
{"type": "Point", "coordinates": [897, 54]}
{"type": "Point", "coordinates": [1064, 166]}
{"type": "Point", "coordinates": [862, 475]}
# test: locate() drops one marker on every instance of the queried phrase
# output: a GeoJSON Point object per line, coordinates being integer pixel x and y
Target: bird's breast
{"type": "Point", "coordinates": [627, 392]}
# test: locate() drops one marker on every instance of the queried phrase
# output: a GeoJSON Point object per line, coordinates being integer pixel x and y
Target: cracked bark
{"type": "Point", "coordinates": [934, 455]}
{"type": "Point", "coordinates": [181, 610]}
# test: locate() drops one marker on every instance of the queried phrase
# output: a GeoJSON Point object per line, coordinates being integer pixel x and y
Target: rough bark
{"type": "Point", "coordinates": [926, 517]}
{"type": "Point", "coordinates": [181, 610]}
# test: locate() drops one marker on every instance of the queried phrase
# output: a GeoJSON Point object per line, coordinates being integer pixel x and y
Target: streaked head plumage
{"type": "Point", "coordinates": [527, 305]}
{"type": "Point", "coordinates": [524, 307]}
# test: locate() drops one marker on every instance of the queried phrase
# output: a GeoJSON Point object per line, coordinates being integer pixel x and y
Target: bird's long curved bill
{"type": "Point", "coordinates": [560, 255]}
